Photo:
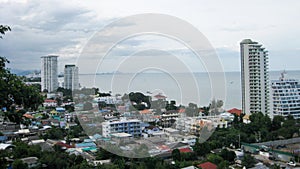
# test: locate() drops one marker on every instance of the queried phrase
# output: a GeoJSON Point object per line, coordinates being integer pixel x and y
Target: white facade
{"type": "Point", "coordinates": [286, 97]}
{"type": "Point", "coordinates": [255, 78]}
{"type": "Point", "coordinates": [49, 79]}
{"type": "Point", "coordinates": [71, 80]}
{"type": "Point", "coordinates": [130, 126]}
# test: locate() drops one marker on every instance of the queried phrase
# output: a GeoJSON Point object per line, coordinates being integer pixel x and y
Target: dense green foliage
{"type": "Point", "coordinates": [139, 100]}
{"type": "Point", "coordinates": [14, 92]}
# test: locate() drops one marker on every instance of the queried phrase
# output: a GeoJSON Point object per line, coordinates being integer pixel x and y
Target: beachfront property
{"type": "Point", "coordinates": [254, 77]}
{"type": "Point", "coordinates": [123, 125]}
{"type": "Point", "coordinates": [285, 96]}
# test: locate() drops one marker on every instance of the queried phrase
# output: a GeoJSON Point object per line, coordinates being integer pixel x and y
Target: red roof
{"type": "Point", "coordinates": [160, 96]}
{"type": "Point", "coordinates": [64, 145]}
{"type": "Point", "coordinates": [50, 101]}
{"type": "Point", "coordinates": [235, 111]}
{"type": "Point", "coordinates": [185, 150]}
{"type": "Point", "coordinates": [207, 165]}
{"type": "Point", "coordinates": [181, 110]}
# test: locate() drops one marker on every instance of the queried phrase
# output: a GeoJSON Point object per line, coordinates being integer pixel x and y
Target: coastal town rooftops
{"type": "Point", "coordinates": [4, 146]}
{"type": "Point", "coordinates": [207, 165]}
{"type": "Point", "coordinates": [171, 130]}
{"type": "Point", "coordinates": [30, 160]}
{"type": "Point", "coordinates": [235, 111]}
{"type": "Point", "coordinates": [185, 150]}
{"type": "Point", "coordinates": [28, 116]}
{"type": "Point", "coordinates": [121, 135]}
{"type": "Point", "coordinates": [122, 120]}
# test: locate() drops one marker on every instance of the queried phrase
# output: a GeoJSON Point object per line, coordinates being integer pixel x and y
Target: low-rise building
{"type": "Point", "coordinates": [30, 161]}
{"type": "Point", "coordinates": [123, 125]}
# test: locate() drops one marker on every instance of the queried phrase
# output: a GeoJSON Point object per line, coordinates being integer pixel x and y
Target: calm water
{"type": "Point", "coordinates": [184, 87]}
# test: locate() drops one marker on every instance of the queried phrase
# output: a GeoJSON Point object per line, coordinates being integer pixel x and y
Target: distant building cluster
{"type": "Point", "coordinates": [49, 75]}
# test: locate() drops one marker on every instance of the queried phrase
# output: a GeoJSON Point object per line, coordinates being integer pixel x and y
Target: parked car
{"type": "Point", "coordinates": [292, 163]}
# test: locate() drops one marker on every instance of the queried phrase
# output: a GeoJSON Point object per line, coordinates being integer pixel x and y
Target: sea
{"type": "Point", "coordinates": [200, 88]}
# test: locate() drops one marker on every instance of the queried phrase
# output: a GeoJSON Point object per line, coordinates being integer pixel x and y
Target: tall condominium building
{"type": "Point", "coordinates": [285, 97]}
{"type": "Point", "coordinates": [71, 77]}
{"type": "Point", "coordinates": [255, 77]}
{"type": "Point", "coordinates": [49, 77]}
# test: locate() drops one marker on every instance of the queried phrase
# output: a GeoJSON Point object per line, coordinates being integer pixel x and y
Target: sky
{"type": "Point", "coordinates": [64, 28]}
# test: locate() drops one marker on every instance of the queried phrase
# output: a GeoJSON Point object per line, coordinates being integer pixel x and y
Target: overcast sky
{"type": "Point", "coordinates": [64, 27]}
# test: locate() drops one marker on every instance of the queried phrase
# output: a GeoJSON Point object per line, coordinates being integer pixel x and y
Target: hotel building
{"type": "Point", "coordinates": [285, 97]}
{"type": "Point", "coordinates": [255, 77]}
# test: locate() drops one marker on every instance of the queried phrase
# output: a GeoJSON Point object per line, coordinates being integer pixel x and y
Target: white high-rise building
{"type": "Point", "coordinates": [71, 77]}
{"type": "Point", "coordinates": [255, 77]}
{"type": "Point", "coordinates": [49, 79]}
{"type": "Point", "coordinates": [285, 97]}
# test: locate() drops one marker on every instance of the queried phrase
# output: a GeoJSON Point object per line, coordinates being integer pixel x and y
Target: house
{"type": "Point", "coordinates": [6, 146]}
{"type": "Point", "coordinates": [235, 111]}
{"type": "Point", "coordinates": [246, 119]}
{"type": "Point", "coordinates": [64, 145]}
{"type": "Point", "coordinates": [207, 165]}
{"type": "Point", "coordinates": [186, 150]}
{"type": "Point", "coordinates": [50, 103]}
{"type": "Point", "coordinates": [3, 139]}
{"type": "Point", "coordinates": [30, 161]}
{"type": "Point", "coordinates": [189, 167]}
{"type": "Point", "coordinates": [100, 162]}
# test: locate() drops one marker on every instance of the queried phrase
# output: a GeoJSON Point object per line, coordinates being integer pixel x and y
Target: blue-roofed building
{"type": "Point", "coordinates": [60, 109]}
{"type": "Point", "coordinates": [97, 136]}
{"type": "Point", "coordinates": [87, 140]}
{"type": "Point", "coordinates": [3, 139]}
{"type": "Point", "coordinates": [85, 145]}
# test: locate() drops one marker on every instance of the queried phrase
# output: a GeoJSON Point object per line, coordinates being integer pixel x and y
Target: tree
{"type": "Point", "coordinates": [18, 164]}
{"type": "Point", "coordinates": [201, 149]}
{"type": "Point", "coordinates": [248, 161]}
{"type": "Point", "coordinates": [214, 158]}
{"type": "Point", "coordinates": [223, 164]}
{"type": "Point", "coordinates": [171, 105]}
{"type": "Point", "coordinates": [277, 122]}
{"type": "Point", "coordinates": [176, 155]}
{"type": "Point", "coordinates": [54, 133]}
{"type": "Point", "coordinates": [139, 99]}
{"type": "Point", "coordinates": [3, 29]}
{"type": "Point", "coordinates": [228, 155]}
{"type": "Point", "coordinates": [192, 110]}
{"type": "Point", "coordinates": [13, 90]}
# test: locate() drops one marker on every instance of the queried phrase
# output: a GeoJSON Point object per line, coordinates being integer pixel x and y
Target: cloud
{"type": "Point", "coordinates": [64, 28]}
{"type": "Point", "coordinates": [42, 28]}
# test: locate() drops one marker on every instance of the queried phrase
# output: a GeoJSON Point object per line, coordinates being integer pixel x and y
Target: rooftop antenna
{"type": "Point", "coordinates": [282, 75]}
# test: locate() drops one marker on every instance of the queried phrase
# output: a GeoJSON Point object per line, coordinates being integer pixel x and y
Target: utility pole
{"type": "Point", "coordinates": [239, 140]}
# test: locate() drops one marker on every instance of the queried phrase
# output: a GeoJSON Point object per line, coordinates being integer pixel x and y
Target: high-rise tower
{"type": "Point", "coordinates": [71, 77]}
{"type": "Point", "coordinates": [255, 77]}
{"type": "Point", "coordinates": [49, 79]}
